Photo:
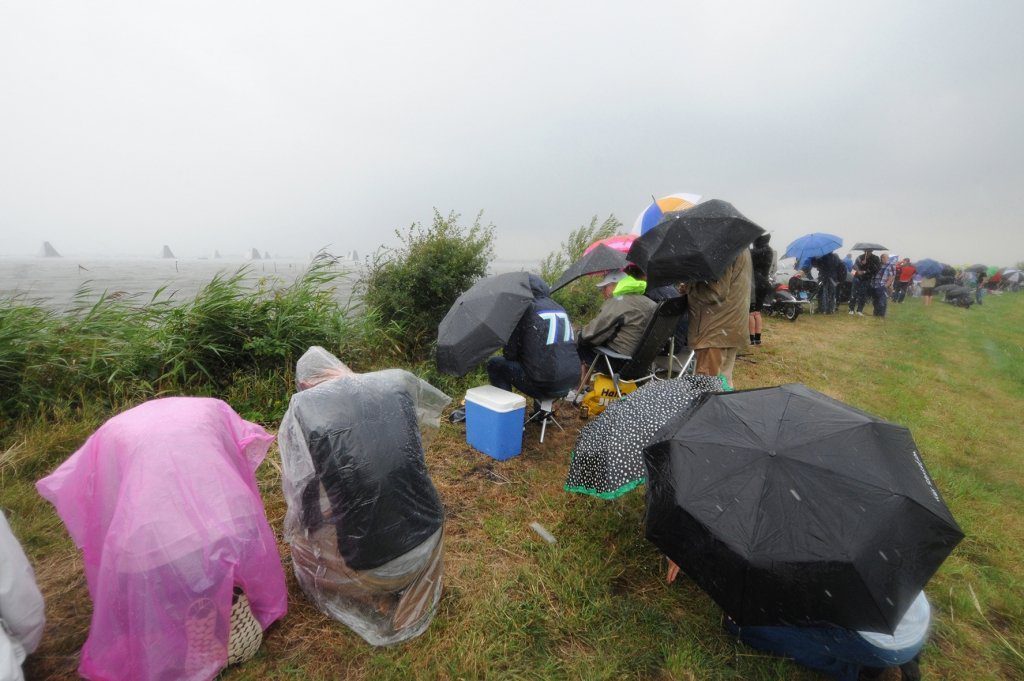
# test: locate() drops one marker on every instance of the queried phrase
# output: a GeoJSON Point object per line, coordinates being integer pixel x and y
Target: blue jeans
{"type": "Point", "coordinates": [839, 653]}
{"type": "Point", "coordinates": [979, 294]}
{"type": "Point", "coordinates": [881, 300]}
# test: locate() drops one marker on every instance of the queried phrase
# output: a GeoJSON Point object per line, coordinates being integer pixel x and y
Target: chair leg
{"type": "Point", "coordinates": [615, 378]}
{"type": "Point", "coordinates": [689, 360]}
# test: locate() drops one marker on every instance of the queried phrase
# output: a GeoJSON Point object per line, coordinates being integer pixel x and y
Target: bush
{"type": "Point", "coordinates": [580, 298]}
{"type": "Point", "coordinates": [412, 286]}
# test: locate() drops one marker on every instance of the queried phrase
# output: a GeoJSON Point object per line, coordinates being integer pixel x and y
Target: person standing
{"type": "Point", "coordinates": [881, 285]}
{"type": "Point", "coordinates": [830, 272]}
{"type": "Point", "coordinates": [865, 268]}
{"type": "Point", "coordinates": [979, 293]}
{"type": "Point", "coordinates": [718, 317]}
{"type": "Point", "coordinates": [763, 260]}
{"type": "Point", "coordinates": [904, 279]}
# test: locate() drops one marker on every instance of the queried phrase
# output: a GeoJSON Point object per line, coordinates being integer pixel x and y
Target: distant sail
{"type": "Point", "coordinates": [216, 253]}
{"type": "Point", "coordinates": [254, 255]}
{"type": "Point", "coordinates": [266, 255]}
{"type": "Point", "coordinates": [167, 253]}
{"type": "Point", "coordinates": [49, 251]}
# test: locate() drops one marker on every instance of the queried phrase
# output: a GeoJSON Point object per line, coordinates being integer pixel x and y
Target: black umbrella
{"type": "Point", "coordinates": [954, 291]}
{"type": "Point", "coordinates": [978, 268]}
{"type": "Point", "coordinates": [789, 507]}
{"type": "Point", "coordinates": [696, 244]}
{"type": "Point", "coordinates": [868, 246]}
{"type": "Point", "coordinates": [946, 287]}
{"type": "Point", "coordinates": [481, 321]}
{"type": "Point", "coordinates": [600, 259]}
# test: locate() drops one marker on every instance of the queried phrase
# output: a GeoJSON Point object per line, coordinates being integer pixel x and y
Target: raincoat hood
{"type": "Point", "coordinates": [629, 286]}
{"type": "Point", "coordinates": [539, 287]}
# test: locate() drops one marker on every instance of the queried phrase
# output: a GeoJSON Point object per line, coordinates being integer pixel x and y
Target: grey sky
{"type": "Point", "coordinates": [286, 126]}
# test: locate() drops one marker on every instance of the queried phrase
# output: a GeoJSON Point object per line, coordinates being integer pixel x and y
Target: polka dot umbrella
{"type": "Point", "coordinates": [607, 460]}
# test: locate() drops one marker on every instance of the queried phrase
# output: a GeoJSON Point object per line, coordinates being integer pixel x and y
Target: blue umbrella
{"type": "Point", "coordinates": [812, 246]}
{"type": "Point", "coordinates": [928, 268]}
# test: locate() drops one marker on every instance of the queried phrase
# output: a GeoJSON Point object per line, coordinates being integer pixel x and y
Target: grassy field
{"type": "Point", "coordinates": [595, 605]}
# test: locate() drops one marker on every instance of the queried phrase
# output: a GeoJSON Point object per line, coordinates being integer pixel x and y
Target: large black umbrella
{"type": "Point", "coordinates": [868, 246]}
{"type": "Point", "coordinates": [600, 259]}
{"type": "Point", "coordinates": [789, 507]}
{"type": "Point", "coordinates": [696, 244]}
{"type": "Point", "coordinates": [978, 268]}
{"type": "Point", "coordinates": [481, 321]}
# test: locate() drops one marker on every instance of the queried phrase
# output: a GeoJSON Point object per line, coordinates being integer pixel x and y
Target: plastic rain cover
{"type": "Point", "coordinates": [163, 502]}
{"type": "Point", "coordinates": [364, 521]}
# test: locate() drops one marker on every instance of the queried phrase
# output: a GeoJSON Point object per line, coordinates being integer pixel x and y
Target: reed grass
{"type": "Point", "coordinates": [116, 351]}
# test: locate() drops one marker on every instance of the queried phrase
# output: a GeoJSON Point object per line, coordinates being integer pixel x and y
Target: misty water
{"type": "Point", "coordinates": [61, 283]}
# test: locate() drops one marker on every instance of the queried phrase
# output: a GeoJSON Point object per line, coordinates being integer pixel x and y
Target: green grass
{"type": "Point", "coordinates": [595, 604]}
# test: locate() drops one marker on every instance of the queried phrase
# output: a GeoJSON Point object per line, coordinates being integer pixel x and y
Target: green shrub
{"type": "Point", "coordinates": [411, 287]}
{"type": "Point", "coordinates": [581, 298]}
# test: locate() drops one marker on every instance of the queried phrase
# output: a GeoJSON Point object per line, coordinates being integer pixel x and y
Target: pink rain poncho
{"type": "Point", "coordinates": [162, 500]}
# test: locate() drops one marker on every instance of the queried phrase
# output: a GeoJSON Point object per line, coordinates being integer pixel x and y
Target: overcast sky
{"type": "Point", "coordinates": [286, 126]}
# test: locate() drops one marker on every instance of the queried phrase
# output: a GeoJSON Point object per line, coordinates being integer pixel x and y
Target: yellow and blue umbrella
{"type": "Point", "coordinates": [653, 214]}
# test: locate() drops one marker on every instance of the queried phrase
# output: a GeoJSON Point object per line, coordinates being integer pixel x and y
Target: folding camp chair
{"type": "Point", "coordinates": [638, 367]}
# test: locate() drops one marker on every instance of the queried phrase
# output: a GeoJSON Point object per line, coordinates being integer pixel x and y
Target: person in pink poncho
{"type": "Point", "coordinates": [163, 502]}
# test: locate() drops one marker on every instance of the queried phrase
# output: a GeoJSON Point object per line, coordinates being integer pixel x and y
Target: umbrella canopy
{"type": "Point", "coordinates": [618, 242]}
{"type": "Point", "coordinates": [600, 259]}
{"type": "Point", "coordinates": [697, 244]}
{"type": "Point", "coordinates": [812, 246]}
{"type": "Point", "coordinates": [608, 460]}
{"type": "Point", "coordinates": [979, 268]}
{"type": "Point", "coordinates": [928, 267]}
{"type": "Point", "coordinates": [868, 246]}
{"type": "Point", "coordinates": [1013, 276]}
{"type": "Point", "coordinates": [653, 214]}
{"type": "Point", "coordinates": [954, 291]}
{"type": "Point", "coordinates": [789, 507]}
{"type": "Point", "coordinates": [481, 321]}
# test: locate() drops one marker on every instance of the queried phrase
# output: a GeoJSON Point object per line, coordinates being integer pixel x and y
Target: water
{"type": "Point", "coordinates": [55, 281]}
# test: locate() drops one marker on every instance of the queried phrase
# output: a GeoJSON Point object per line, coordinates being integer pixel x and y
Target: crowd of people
{"type": "Point", "coordinates": [881, 278]}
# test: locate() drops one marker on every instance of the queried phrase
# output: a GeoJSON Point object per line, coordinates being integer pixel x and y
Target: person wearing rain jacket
{"type": "Point", "coordinates": [540, 356]}
{"type": "Point", "coordinates": [718, 317]}
{"type": "Point", "coordinates": [364, 520]}
{"type": "Point", "coordinates": [623, 317]}
{"type": "Point", "coordinates": [21, 605]}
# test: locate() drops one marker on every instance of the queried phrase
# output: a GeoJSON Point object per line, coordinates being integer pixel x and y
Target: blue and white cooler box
{"type": "Point", "coordinates": [494, 421]}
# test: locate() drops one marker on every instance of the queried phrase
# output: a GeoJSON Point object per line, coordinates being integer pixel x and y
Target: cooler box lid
{"type": "Point", "coordinates": [495, 399]}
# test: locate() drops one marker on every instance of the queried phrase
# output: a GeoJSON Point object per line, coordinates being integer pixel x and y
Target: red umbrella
{"type": "Point", "coordinates": [619, 242]}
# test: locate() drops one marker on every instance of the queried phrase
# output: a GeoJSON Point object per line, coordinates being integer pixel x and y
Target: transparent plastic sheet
{"type": "Point", "coordinates": [163, 502]}
{"type": "Point", "coordinates": [364, 521]}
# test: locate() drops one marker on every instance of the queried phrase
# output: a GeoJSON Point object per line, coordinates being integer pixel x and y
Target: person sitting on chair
{"type": "Point", "coordinates": [623, 317]}
{"type": "Point", "coordinates": [539, 358]}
